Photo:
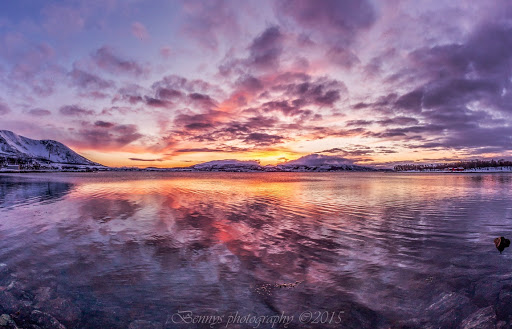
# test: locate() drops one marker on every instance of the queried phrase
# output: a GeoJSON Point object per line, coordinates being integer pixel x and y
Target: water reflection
{"type": "Point", "coordinates": [16, 190]}
{"type": "Point", "coordinates": [143, 246]}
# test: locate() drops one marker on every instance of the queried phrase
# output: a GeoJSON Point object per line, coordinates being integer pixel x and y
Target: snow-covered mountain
{"type": "Point", "coordinates": [311, 162]}
{"type": "Point", "coordinates": [15, 146]}
{"type": "Point", "coordinates": [228, 165]}
{"type": "Point", "coordinates": [320, 162]}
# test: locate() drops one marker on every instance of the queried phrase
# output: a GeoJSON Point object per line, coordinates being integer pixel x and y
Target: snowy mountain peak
{"type": "Point", "coordinates": [15, 146]}
{"type": "Point", "coordinates": [318, 160]}
{"type": "Point", "coordinates": [228, 163]}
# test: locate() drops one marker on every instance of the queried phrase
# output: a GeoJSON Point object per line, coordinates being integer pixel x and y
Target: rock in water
{"type": "Point", "coordinates": [45, 320]}
{"type": "Point", "coordinates": [141, 324]}
{"type": "Point", "coordinates": [501, 243]}
{"type": "Point", "coordinates": [484, 318]}
{"type": "Point", "coordinates": [6, 322]}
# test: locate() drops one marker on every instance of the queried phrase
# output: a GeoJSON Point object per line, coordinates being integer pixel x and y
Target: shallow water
{"type": "Point", "coordinates": [121, 247]}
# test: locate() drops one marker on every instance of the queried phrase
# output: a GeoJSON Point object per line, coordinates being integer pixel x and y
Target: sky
{"type": "Point", "coordinates": [175, 83]}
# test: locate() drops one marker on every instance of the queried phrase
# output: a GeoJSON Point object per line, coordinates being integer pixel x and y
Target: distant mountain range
{"type": "Point", "coordinates": [311, 162]}
{"type": "Point", "coordinates": [21, 150]}
{"type": "Point", "coordinates": [48, 154]}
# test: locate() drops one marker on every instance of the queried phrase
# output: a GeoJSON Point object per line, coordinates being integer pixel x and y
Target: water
{"type": "Point", "coordinates": [106, 249]}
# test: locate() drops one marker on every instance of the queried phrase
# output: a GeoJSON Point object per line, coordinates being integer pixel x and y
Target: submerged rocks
{"type": "Point", "coordinates": [9, 303]}
{"type": "Point", "coordinates": [142, 324]}
{"type": "Point", "coordinates": [45, 320]}
{"type": "Point", "coordinates": [504, 307]}
{"type": "Point", "coordinates": [61, 308]}
{"type": "Point", "coordinates": [6, 322]}
{"type": "Point", "coordinates": [449, 309]}
{"type": "Point", "coordinates": [484, 318]}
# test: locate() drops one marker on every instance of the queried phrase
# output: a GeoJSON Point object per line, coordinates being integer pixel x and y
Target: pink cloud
{"type": "Point", "coordinates": [139, 31]}
{"type": "Point", "coordinates": [62, 20]}
{"type": "Point", "coordinates": [166, 52]}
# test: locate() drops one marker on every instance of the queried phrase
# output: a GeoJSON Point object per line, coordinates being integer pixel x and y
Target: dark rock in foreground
{"type": "Point", "coordinates": [6, 322]}
{"type": "Point", "coordinates": [45, 320]}
{"type": "Point", "coordinates": [501, 243]}
{"type": "Point", "coordinates": [142, 324]}
{"type": "Point", "coordinates": [484, 318]}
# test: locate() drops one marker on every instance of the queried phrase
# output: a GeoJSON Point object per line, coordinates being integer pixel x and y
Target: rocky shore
{"type": "Point", "coordinates": [484, 305]}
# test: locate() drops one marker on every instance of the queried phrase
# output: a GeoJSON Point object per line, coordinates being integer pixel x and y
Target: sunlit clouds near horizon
{"type": "Point", "coordinates": [174, 83]}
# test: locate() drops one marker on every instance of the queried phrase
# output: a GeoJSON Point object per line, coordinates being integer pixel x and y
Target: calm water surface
{"type": "Point", "coordinates": [377, 247]}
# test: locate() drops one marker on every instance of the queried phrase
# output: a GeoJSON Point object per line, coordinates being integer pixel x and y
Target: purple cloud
{"type": "Point", "coordinates": [139, 31]}
{"type": "Point", "coordinates": [105, 59]}
{"type": "Point", "coordinates": [85, 80]}
{"type": "Point", "coordinates": [39, 112]}
{"type": "Point", "coordinates": [266, 49]}
{"type": "Point", "coordinates": [74, 110]}
{"type": "Point", "coordinates": [4, 108]}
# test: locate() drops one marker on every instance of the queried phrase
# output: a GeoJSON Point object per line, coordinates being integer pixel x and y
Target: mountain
{"type": "Point", "coordinates": [311, 162]}
{"type": "Point", "coordinates": [320, 162]}
{"type": "Point", "coordinates": [25, 149]}
{"type": "Point", "coordinates": [228, 165]}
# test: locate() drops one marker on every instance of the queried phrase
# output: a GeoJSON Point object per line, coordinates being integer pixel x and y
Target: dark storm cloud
{"type": "Point", "coordinates": [74, 110]}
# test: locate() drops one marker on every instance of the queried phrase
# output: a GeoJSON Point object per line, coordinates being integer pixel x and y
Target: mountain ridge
{"type": "Point", "coordinates": [46, 151]}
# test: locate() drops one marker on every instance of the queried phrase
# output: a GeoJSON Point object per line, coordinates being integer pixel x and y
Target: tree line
{"type": "Point", "coordinates": [460, 164]}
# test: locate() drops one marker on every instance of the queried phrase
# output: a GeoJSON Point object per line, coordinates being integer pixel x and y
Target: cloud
{"type": "Point", "coordinates": [104, 124]}
{"type": "Point", "coordinates": [139, 31]}
{"type": "Point", "coordinates": [62, 20]}
{"type": "Point", "coordinates": [265, 50]}
{"type": "Point", "coordinates": [74, 110]}
{"type": "Point", "coordinates": [105, 59]}
{"type": "Point", "coordinates": [38, 112]}
{"type": "Point", "coordinates": [85, 80]}
{"type": "Point", "coordinates": [166, 52]}
{"type": "Point", "coordinates": [336, 21]}
{"type": "Point", "coordinates": [399, 121]}
{"type": "Point", "coordinates": [204, 101]}
{"type": "Point", "coordinates": [207, 21]}
{"type": "Point", "coordinates": [99, 137]}
{"type": "Point", "coordinates": [4, 108]}
{"type": "Point", "coordinates": [262, 139]}
{"type": "Point", "coordinates": [318, 160]}
{"type": "Point", "coordinates": [147, 160]}
{"type": "Point", "coordinates": [210, 150]}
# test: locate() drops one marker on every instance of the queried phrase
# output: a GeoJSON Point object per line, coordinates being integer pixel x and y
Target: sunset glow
{"type": "Point", "coordinates": [176, 83]}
